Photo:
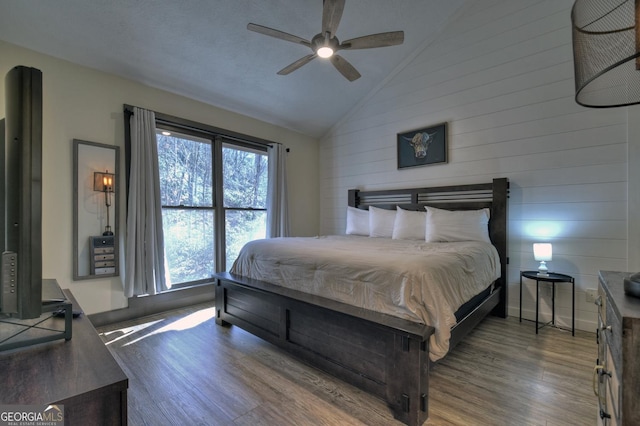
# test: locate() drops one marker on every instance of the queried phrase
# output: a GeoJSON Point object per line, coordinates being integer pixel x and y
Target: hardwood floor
{"type": "Point", "coordinates": [184, 369]}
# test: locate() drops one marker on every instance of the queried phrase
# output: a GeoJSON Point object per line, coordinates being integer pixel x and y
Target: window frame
{"type": "Point", "coordinates": [212, 208]}
{"type": "Point", "coordinates": [218, 138]}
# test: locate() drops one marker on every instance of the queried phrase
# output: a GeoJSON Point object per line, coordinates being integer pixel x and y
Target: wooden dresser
{"type": "Point", "coordinates": [617, 371]}
{"type": "Point", "coordinates": [80, 374]}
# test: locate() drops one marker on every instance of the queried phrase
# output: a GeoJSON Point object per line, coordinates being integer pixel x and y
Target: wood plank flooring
{"type": "Point", "coordinates": [184, 369]}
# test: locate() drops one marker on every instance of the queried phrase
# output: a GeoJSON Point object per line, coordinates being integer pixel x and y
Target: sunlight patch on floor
{"type": "Point", "coordinates": [185, 323]}
{"type": "Point", "coordinates": [126, 331]}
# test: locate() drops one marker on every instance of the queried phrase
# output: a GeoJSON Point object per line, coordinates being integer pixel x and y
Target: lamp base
{"type": "Point", "coordinates": [107, 231]}
{"type": "Point", "coordinates": [543, 271]}
{"type": "Point", "coordinates": [632, 285]}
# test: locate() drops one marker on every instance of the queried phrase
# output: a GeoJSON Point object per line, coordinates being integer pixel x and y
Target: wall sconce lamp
{"type": "Point", "coordinates": [105, 182]}
{"type": "Point", "coordinates": [606, 52]}
{"type": "Point", "coordinates": [542, 252]}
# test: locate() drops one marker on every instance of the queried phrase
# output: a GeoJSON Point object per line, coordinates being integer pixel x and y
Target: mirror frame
{"type": "Point", "coordinates": [115, 205]}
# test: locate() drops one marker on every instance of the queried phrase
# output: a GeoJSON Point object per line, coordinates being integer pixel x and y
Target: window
{"type": "Point", "coordinates": [190, 194]}
{"type": "Point", "coordinates": [245, 197]}
{"type": "Point", "coordinates": [186, 191]}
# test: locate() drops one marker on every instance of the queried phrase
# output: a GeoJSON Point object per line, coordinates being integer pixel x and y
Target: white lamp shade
{"type": "Point", "coordinates": [542, 252]}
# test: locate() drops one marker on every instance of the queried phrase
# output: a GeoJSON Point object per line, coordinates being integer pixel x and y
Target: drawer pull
{"type": "Point", "coordinates": [598, 301]}
{"type": "Point", "coordinates": [604, 414]}
{"type": "Point", "coordinates": [598, 370]}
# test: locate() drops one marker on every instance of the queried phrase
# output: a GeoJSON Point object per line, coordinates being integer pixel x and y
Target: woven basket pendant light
{"type": "Point", "coordinates": [606, 46]}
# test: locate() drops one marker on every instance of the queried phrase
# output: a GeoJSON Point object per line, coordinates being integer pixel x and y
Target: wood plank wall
{"type": "Point", "coordinates": [500, 73]}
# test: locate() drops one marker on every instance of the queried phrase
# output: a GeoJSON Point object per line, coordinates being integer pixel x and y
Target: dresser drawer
{"type": "Point", "coordinates": [104, 250]}
{"type": "Point", "coordinates": [614, 335]}
{"type": "Point", "coordinates": [612, 390]}
{"type": "Point", "coordinates": [609, 325]}
{"type": "Point", "coordinates": [601, 302]}
{"type": "Point", "coordinates": [100, 257]}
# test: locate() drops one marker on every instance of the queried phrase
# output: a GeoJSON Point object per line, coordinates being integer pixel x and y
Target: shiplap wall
{"type": "Point", "coordinates": [501, 75]}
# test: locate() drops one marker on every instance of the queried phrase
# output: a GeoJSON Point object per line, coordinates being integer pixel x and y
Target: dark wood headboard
{"type": "Point", "coordinates": [492, 195]}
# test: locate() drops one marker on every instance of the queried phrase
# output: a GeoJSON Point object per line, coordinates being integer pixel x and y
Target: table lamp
{"type": "Point", "coordinates": [542, 252]}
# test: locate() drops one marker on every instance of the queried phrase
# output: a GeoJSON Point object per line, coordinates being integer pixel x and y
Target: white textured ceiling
{"type": "Point", "coordinates": [201, 49]}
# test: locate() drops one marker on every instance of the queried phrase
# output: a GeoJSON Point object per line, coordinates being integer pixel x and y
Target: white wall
{"type": "Point", "coordinates": [501, 75]}
{"type": "Point", "coordinates": [80, 103]}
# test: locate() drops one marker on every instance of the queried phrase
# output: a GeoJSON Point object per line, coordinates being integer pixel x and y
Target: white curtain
{"type": "Point", "coordinates": [277, 205]}
{"type": "Point", "coordinates": [144, 259]}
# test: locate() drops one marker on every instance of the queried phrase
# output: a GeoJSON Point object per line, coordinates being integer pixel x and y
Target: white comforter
{"type": "Point", "coordinates": [414, 280]}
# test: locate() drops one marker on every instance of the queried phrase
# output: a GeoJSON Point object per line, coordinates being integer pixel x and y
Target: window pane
{"type": "Point", "coordinates": [245, 177]}
{"type": "Point", "coordinates": [185, 170]}
{"type": "Point", "coordinates": [243, 226]}
{"type": "Point", "coordinates": [188, 241]}
{"type": "Point", "coordinates": [187, 181]}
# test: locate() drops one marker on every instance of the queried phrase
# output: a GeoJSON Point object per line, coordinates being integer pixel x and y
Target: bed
{"type": "Point", "coordinates": [385, 351]}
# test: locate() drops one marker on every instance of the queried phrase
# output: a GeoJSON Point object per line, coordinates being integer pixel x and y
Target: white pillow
{"type": "Point", "coordinates": [381, 222]}
{"type": "Point", "coordinates": [458, 225]}
{"type": "Point", "coordinates": [357, 221]}
{"type": "Point", "coordinates": [409, 225]}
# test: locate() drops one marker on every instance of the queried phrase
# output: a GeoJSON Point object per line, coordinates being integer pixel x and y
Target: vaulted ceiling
{"type": "Point", "coordinates": [202, 49]}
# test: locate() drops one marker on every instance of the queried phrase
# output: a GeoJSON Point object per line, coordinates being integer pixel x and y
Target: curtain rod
{"type": "Point", "coordinates": [201, 127]}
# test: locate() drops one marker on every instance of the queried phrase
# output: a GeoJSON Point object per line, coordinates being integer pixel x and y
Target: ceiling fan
{"type": "Point", "coordinates": [326, 44]}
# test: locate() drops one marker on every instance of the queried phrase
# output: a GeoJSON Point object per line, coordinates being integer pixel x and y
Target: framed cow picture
{"type": "Point", "coordinates": [422, 147]}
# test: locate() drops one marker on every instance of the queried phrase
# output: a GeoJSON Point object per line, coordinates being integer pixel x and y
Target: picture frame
{"type": "Point", "coordinates": [422, 147]}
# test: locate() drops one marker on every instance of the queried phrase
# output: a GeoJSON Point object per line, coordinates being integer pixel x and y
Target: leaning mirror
{"type": "Point", "coordinates": [96, 182]}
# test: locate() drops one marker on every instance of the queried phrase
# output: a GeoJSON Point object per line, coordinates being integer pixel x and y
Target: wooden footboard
{"type": "Point", "coordinates": [381, 354]}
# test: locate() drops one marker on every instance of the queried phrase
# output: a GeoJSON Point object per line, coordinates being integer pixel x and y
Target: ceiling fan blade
{"type": "Point", "coordinates": [392, 38]}
{"type": "Point", "coordinates": [297, 64]}
{"type": "Point", "coordinates": [278, 34]}
{"type": "Point", "coordinates": [345, 68]}
{"type": "Point", "coordinates": [331, 15]}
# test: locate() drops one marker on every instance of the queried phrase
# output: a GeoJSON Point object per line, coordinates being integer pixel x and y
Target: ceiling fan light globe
{"type": "Point", "coordinates": [325, 52]}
